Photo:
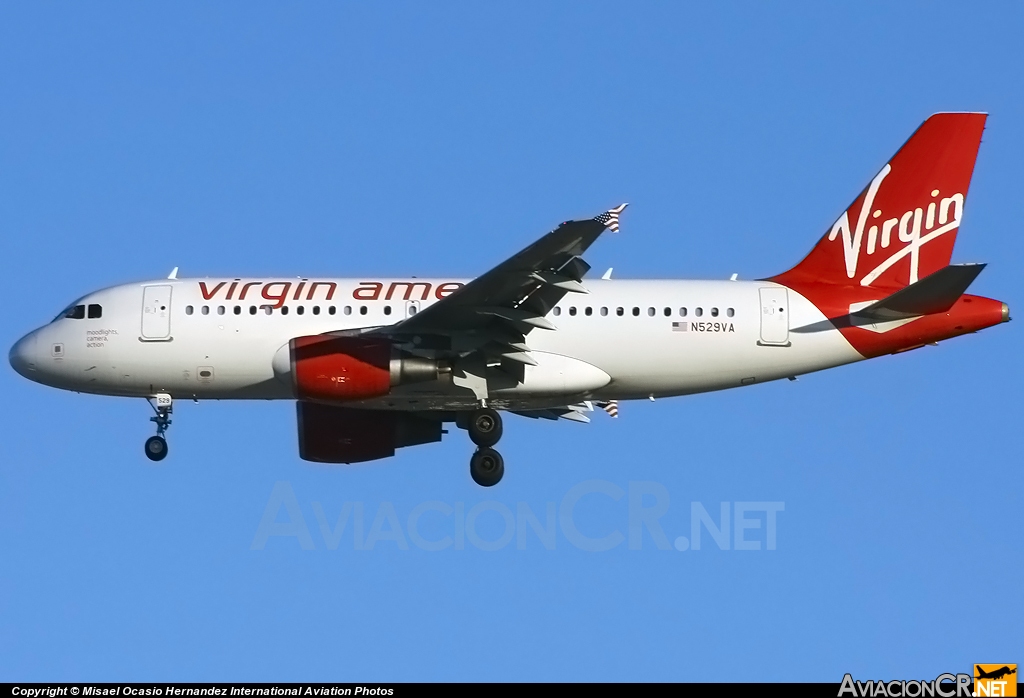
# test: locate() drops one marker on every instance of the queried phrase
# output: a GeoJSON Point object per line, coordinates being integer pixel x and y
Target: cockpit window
{"type": "Point", "coordinates": [75, 311]}
{"type": "Point", "coordinates": [80, 311]}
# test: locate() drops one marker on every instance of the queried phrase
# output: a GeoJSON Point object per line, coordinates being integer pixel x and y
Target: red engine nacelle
{"type": "Point", "coordinates": [332, 369]}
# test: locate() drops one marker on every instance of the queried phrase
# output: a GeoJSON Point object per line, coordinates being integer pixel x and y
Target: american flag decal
{"type": "Point", "coordinates": [680, 327]}
{"type": "Point", "coordinates": [611, 407]}
{"type": "Point", "coordinates": [610, 219]}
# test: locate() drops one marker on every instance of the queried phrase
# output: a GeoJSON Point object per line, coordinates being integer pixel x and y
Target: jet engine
{"type": "Point", "coordinates": [333, 369]}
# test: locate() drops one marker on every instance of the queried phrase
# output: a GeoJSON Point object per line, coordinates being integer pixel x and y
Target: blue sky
{"type": "Point", "coordinates": [370, 139]}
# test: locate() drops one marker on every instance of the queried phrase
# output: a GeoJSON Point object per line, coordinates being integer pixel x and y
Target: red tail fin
{"type": "Point", "coordinates": [903, 225]}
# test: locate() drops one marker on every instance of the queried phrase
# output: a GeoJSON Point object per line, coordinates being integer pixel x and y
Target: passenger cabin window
{"type": "Point", "coordinates": [619, 311]}
{"type": "Point", "coordinates": [682, 312]}
{"type": "Point", "coordinates": [588, 311]}
{"type": "Point", "coordinates": [651, 311]}
{"type": "Point", "coordinates": [604, 311]}
{"type": "Point", "coordinates": [668, 312]}
{"type": "Point", "coordinates": [238, 310]}
{"type": "Point", "coordinates": [189, 309]}
{"type": "Point", "coordinates": [698, 311]}
{"type": "Point", "coordinates": [730, 312]}
{"type": "Point", "coordinates": [636, 311]}
{"type": "Point", "coordinates": [572, 310]}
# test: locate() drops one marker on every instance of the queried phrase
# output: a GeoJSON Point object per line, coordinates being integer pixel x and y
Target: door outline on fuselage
{"type": "Point", "coordinates": [156, 313]}
{"type": "Point", "coordinates": [774, 306]}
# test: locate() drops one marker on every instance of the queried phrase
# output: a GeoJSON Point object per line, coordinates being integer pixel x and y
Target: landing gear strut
{"type": "Point", "coordinates": [156, 446]}
{"type": "Point", "coordinates": [486, 466]}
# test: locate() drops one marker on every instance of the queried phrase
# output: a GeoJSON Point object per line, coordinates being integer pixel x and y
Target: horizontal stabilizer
{"type": "Point", "coordinates": [935, 293]}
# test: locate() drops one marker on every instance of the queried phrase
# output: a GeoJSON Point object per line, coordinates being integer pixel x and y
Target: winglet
{"type": "Point", "coordinates": [607, 275]}
{"type": "Point", "coordinates": [173, 274]}
{"type": "Point", "coordinates": [610, 218]}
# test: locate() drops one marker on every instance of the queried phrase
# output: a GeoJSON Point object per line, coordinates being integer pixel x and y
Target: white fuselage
{"type": "Point", "coordinates": [186, 337]}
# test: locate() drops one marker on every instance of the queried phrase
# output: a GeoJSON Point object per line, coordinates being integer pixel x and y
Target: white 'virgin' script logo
{"type": "Point", "coordinates": [909, 228]}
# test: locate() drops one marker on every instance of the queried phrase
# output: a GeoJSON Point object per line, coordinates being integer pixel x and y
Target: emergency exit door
{"type": "Point", "coordinates": [774, 316]}
{"type": "Point", "coordinates": [156, 312]}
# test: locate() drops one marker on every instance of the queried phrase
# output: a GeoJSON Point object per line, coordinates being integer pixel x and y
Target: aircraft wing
{"type": "Point", "coordinates": [493, 313]}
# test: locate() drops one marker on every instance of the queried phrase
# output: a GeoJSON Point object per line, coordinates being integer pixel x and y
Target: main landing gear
{"type": "Point", "coordinates": [486, 466]}
{"type": "Point", "coordinates": [156, 446]}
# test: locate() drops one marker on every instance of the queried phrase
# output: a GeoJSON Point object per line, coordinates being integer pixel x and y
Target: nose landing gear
{"type": "Point", "coordinates": [156, 446]}
{"type": "Point", "coordinates": [486, 466]}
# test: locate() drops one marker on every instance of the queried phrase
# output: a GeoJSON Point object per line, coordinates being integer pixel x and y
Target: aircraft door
{"type": "Point", "coordinates": [774, 316]}
{"type": "Point", "coordinates": [411, 308]}
{"type": "Point", "coordinates": [156, 312]}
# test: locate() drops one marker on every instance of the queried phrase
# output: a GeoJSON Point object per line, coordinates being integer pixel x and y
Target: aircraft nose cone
{"type": "Point", "coordinates": [22, 355]}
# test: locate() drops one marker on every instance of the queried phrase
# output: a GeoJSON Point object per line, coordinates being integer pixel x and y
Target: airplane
{"type": "Point", "coordinates": [995, 674]}
{"type": "Point", "coordinates": [375, 365]}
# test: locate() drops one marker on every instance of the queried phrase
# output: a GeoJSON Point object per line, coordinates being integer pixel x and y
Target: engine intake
{"type": "Point", "coordinates": [332, 369]}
